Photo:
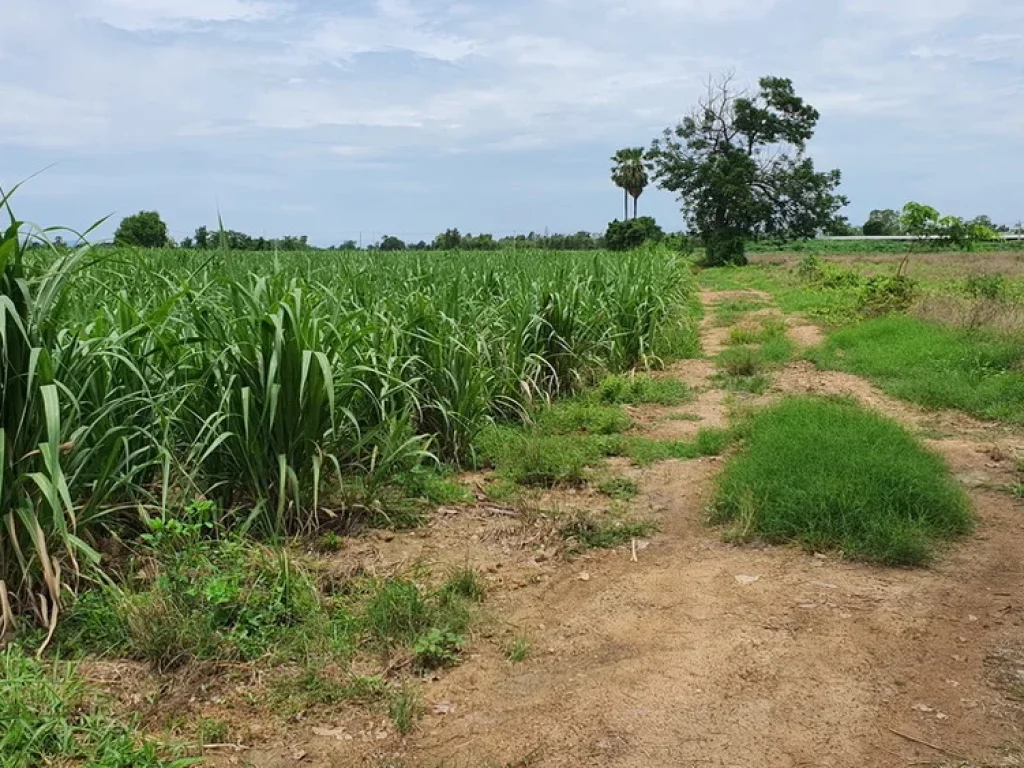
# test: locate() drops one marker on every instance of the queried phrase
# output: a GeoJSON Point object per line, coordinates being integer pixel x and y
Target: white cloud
{"type": "Point", "coordinates": [140, 15]}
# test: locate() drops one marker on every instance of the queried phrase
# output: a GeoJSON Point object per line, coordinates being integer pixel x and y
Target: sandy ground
{"type": "Point", "coordinates": [699, 653]}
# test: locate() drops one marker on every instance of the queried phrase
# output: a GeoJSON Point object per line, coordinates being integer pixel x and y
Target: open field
{"type": "Point", "coordinates": [534, 510]}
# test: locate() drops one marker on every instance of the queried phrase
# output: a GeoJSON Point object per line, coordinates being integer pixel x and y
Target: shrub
{"type": "Point", "coordinates": [632, 233]}
{"type": "Point", "coordinates": [986, 286]}
{"type": "Point", "coordinates": [828, 474]}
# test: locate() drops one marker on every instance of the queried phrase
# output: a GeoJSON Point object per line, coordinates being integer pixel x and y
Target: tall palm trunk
{"type": "Point", "coordinates": [635, 201]}
{"type": "Point", "coordinates": [625, 204]}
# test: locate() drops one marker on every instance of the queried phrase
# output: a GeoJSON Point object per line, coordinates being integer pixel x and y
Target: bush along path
{"type": "Point", "coordinates": [643, 607]}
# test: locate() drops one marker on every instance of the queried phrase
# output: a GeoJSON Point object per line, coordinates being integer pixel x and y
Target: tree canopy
{"type": "Point", "coordinates": [629, 171]}
{"type": "Point", "coordinates": [145, 229]}
{"type": "Point", "coordinates": [738, 166]}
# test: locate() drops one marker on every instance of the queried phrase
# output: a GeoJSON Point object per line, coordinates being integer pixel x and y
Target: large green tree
{"type": "Point", "coordinates": [739, 168]}
{"type": "Point", "coordinates": [629, 171]}
{"type": "Point", "coordinates": [882, 222]}
{"type": "Point", "coordinates": [143, 230]}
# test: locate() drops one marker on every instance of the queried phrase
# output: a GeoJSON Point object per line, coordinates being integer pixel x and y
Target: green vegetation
{"type": "Point", "coordinates": [640, 389]}
{"type": "Point", "coordinates": [143, 230]}
{"type": "Point", "coordinates": [618, 488]}
{"type": "Point", "coordinates": [828, 474]}
{"type": "Point", "coordinates": [584, 531]}
{"type": "Point", "coordinates": [518, 650]}
{"type": "Point", "coordinates": [48, 716]}
{"type": "Point", "coordinates": [291, 390]}
{"type": "Point", "coordinates": [934, 366]}
{"type": "Point", "coordinates": [714, 161]}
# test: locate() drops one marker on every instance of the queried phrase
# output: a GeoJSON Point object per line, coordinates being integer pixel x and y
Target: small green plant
{"type": "Point", "coordinates": [830, 475]}
{"type": "Point", "coordinates": [438, 648]}
{"type": "Point", "coordinates": [619, 488]}
{"type": "Point", "coordinates": [517, 650]}
{"type": "Point", "coordinates": [330, 541]}
{"type": "Point", "coordinates": [741, 361]}
{"type": "Point", "coordinates": [211, 730]}
{"type": "Point", "coordinates": [405, 707]}
{"type": "Point", "coordinates": [466, 583]}
{"type": "Point", "coordinates": [585, 531]}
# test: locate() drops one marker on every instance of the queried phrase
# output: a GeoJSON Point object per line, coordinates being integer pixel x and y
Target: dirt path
{"type": "Point", "coordinates": [701, 653]}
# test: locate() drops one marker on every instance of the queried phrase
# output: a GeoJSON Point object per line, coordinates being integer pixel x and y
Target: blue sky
{"type": "Point", "coordinates": [407, 117]}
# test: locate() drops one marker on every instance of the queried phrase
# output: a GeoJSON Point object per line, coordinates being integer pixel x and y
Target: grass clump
{"type": "Point", "coordinates": [518, 649]}
{"type": "Point", "coordinates": [640, 389]}
{"type": "Point", "coordinates": [731, 310]}
{"type": "Point", "coordinates": [49, 717]}
{"type": "Point", "coordinates": [937, 367]}
{"type": "Point", "coordinates": [532, 459]}
{"type": "Point", "coordinates": [590, 532]}
{"type": "Point", "coordinates": [580, 416]}
{"type": "Point", "coordinates": [741, 361]}
{"type": "Point", "coordinates": [618, 488]}
{"type": "Point", "coordinates": [829, 474]}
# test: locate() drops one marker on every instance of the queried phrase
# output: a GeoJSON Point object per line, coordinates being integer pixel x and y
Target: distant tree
{"type": "Point", "coordinates": [186, 242]}
{"type": "Point", "coordinates": [984, 221]}
{"type": "Point", "coordinates": [143, 230]}
{"type": "Point", "coordinates": [389, 243]}
{"type": "Point", "coordinates": [59, 243]}
{"type": "Point", "coordinates": [625, 235]}
{"type": "Point", "coordinates": [629, 171]}
{"type": "Point", "coordinates": [203, 238]}
{"type": "Point", "coordinates": [738, 166]}
{"type": "Point", "coordinates": [449, 240]}
{"type": "Point", "coordinates": [925, 222]}
{"type": "Point", "coordinates": [882, 223]}
{"type": "Point", "coordinates": [349, 245]}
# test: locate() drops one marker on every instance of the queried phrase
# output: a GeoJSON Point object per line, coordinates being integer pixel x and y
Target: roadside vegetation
{"type": "Point", "coordinates": [829, 475]}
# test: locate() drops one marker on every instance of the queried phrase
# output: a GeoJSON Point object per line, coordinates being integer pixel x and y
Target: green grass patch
{"type": "Point", "coordinates": [48, 716]}
{"type": "Point", "coordinates": [831, 475]}
{"type": "Point", "coordinates": [586, 531]}
{"type": "Point", "coordinates": [936, 367]}
{"type": "Point", "coordinates": [728, 312]}
{"type": "Point", "coordinates": [517, 650]}
{"type": "Point", "coordinates": [574, 416]}
{"type": "Point", "coordinates": [618, 488]}
{"type": "Point", "coordinates": [641, 389]}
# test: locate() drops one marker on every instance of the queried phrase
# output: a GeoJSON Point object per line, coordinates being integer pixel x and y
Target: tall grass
{"type": "Point", "coordinates": [281, 386]}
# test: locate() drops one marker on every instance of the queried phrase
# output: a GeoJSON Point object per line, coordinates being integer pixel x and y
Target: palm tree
{"type": "Point", "coordinates": [629, 171]}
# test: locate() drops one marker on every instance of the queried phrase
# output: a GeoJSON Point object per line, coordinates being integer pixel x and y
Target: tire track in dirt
{"type": "Point", "coordinates": [702, 653]}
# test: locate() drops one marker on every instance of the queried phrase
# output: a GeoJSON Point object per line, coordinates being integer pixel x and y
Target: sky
{"type": "Point", "coordinates": [354, 118]}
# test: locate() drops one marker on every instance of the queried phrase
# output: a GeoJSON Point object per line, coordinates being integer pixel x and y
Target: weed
{"type": "Point", "coordinates": [438, 648]}
{"type": "Point", "coordinates": [518, 649]}
{"type": "Point", "coordinates": [620, 488]}
{"type": "Point", "coordinates": [741, 361]}
{"type": "Point", "coordinates": [330, 542]}
{"type": "Point", "coordinates": [828, 474]}
{"type": "Point", "coordinates": [638, 389]}
{"type": "Point", "coordinates": [433, 487]}
{"type": "Point", "coordinates": [576, 416]}
{"type": "Point", "coordinates": [539, 460]}
{"type": "Point", "coordinates": [211, 731]}
{"type": "Point", "coordinates": [405, 708]}
{"type": "Point", "coordinates": [466, 583]}
{"type": "Point", "coordinates": [589, 532]}
{"type": "Point", "coordinates": [981, 286]}
{"type": "Point", "coordinates": [49, 717]}
{"type": "Point", "coordinates": [728, 312]}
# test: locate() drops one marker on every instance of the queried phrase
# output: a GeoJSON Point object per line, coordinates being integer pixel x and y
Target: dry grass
{"type": "Point", "coordinates": [1002, 317]}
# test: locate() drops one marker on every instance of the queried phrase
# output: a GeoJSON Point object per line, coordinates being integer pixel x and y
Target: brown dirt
{"type": "Point", "coordinates": [705, 653]}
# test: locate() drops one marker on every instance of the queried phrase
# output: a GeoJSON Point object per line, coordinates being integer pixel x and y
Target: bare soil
{"type": "Point", "coordinates": [702, 653]}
